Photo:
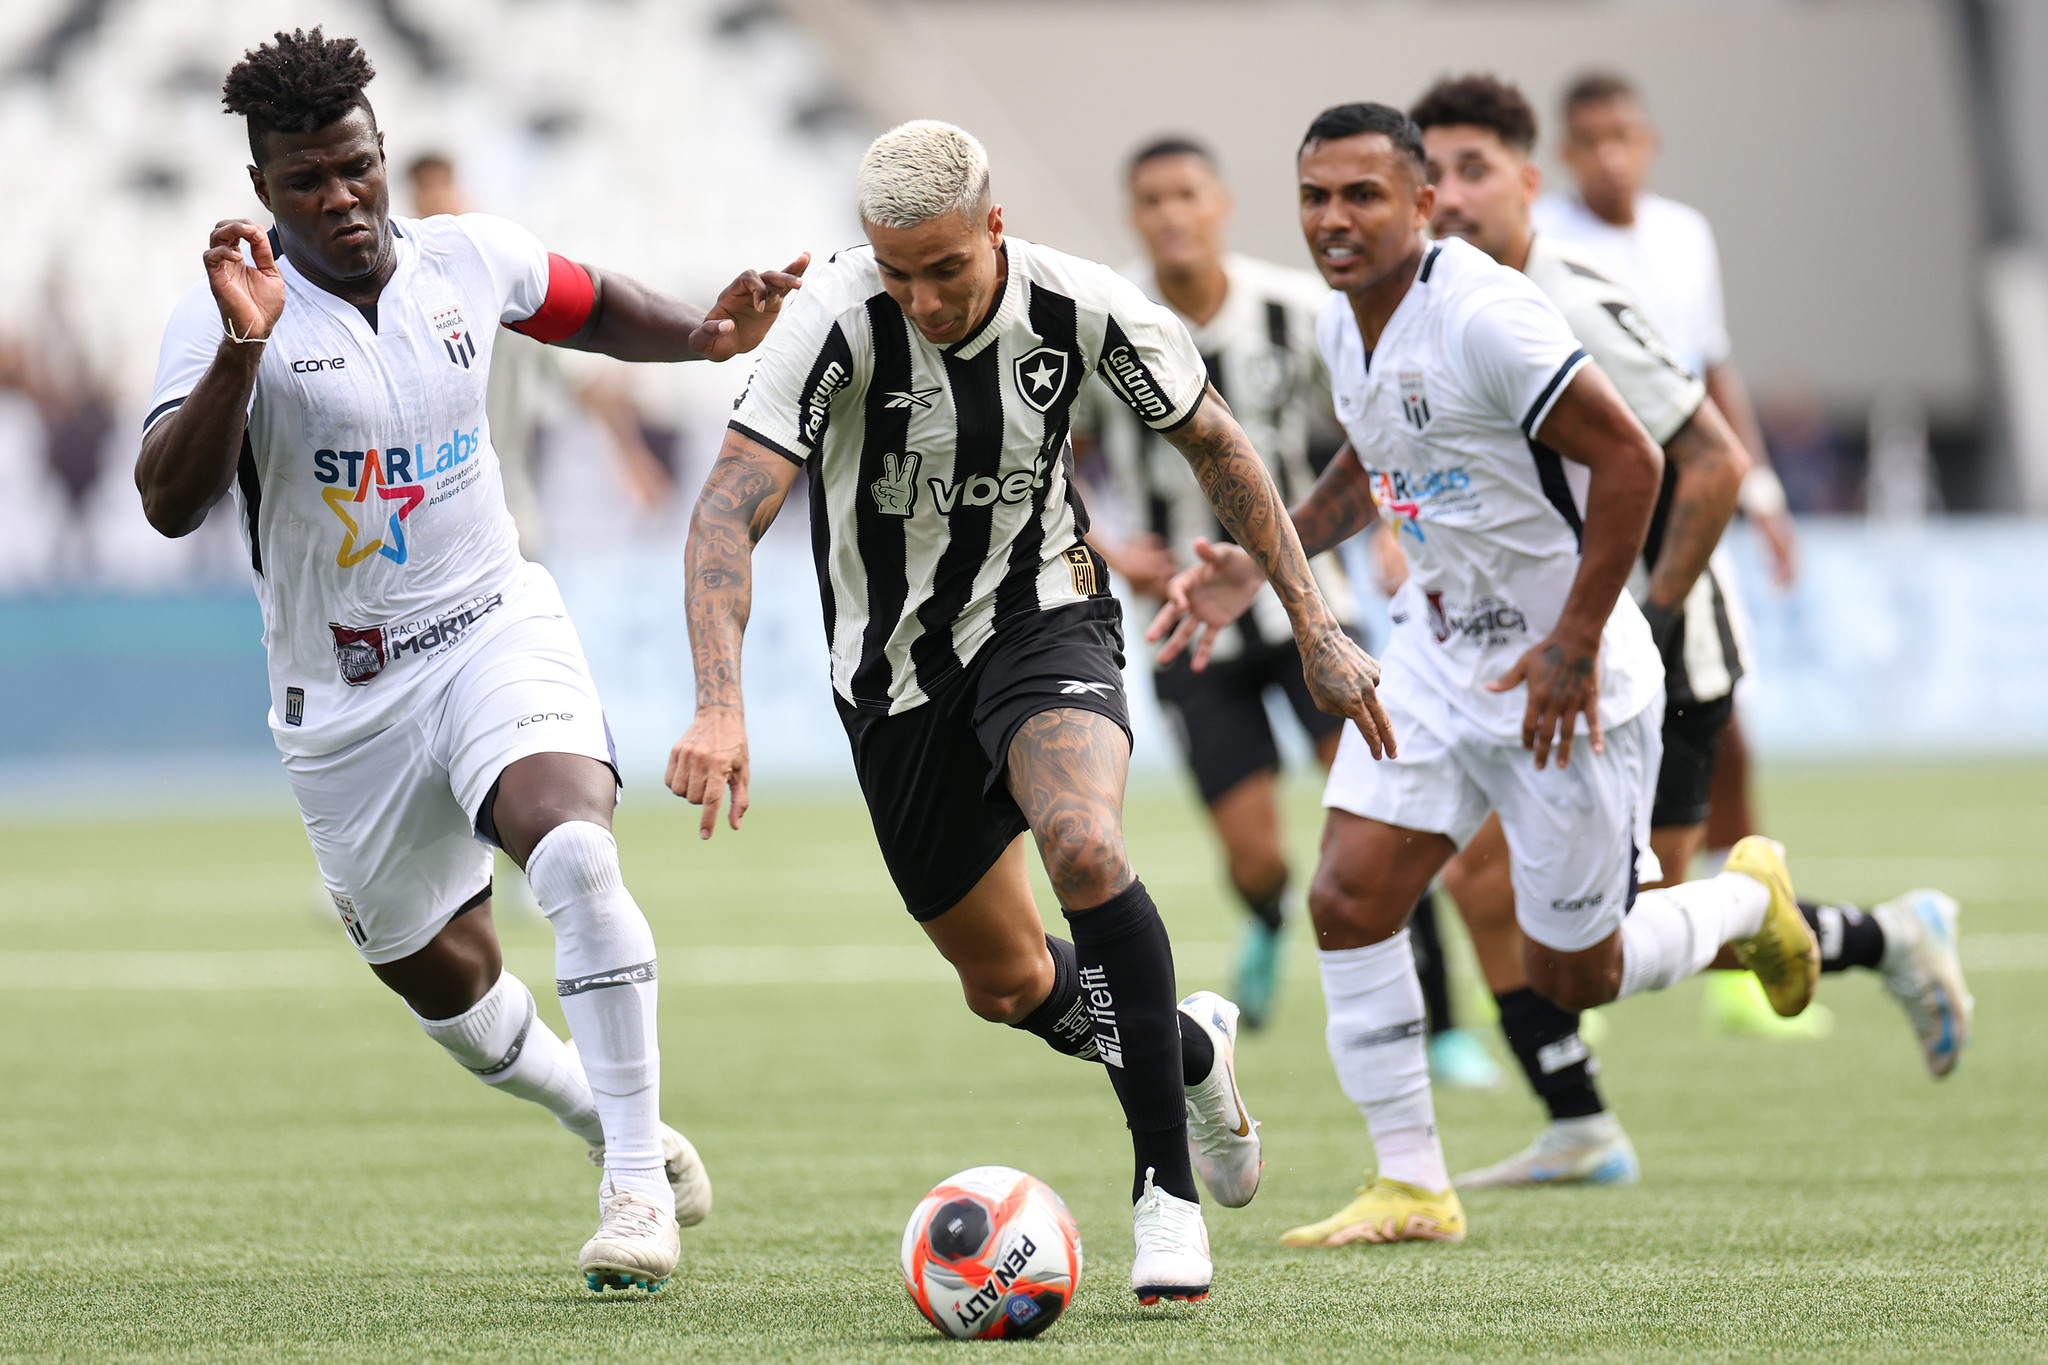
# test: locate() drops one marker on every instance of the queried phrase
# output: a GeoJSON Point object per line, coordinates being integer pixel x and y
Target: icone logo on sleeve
{"type": "Point", "coordinates": [372, 492]}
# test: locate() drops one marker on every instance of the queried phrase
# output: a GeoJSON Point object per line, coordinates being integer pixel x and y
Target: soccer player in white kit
{"type": "Point", "coordinates": [428, 692]}
{"type": "Point", "coordinates": [1522, 487]}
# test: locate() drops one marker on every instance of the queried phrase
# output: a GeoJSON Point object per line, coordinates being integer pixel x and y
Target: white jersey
{"type": "Point", "coordinates": [1443, 415]}
{"type": "Point", "coordinates": [369, 494]}
{"type": "Point", "coordinates": [1666, 258]}
{"type": "Point", "coordinates": [1260, 353]}
{"type": "Point", "coordinates": [1664, 395]}
{"type": "Point", "coordinates": [941, 507]}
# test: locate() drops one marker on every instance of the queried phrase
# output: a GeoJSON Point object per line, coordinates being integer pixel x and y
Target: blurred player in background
{"type": "Point", "coordinates": [1664, 252]}
{"type": "Point", "coordinates": [1254, 324]}
{"type": "Point", "coordinates": [428, 691]}
{"type": "Point", "coordinates": [924, 382]}
{"type": "Point", "coordinates": [1464, 393]}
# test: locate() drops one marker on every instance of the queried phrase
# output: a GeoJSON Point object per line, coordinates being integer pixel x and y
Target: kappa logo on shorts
{"type": "Point", "coordinates": [1073, 687]}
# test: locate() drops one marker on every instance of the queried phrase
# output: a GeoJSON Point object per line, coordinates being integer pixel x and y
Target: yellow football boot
{"type": "Point", "coordinates": [1783, 954]}
{"type": "Point", "coordinates": [1386, 1211]}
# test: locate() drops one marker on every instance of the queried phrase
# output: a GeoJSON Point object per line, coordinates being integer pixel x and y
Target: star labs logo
{"type": "Point", "coordinates": [360, 513]}
{"type": "Point", "coordinates": [1042, 376]}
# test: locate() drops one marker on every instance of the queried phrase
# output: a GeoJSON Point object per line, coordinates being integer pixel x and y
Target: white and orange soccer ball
{"type": "Point", "coordinates": [991, 1252]}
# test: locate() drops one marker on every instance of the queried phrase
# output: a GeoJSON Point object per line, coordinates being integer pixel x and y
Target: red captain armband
{"type": "Point", "coordinates": [571, 294]}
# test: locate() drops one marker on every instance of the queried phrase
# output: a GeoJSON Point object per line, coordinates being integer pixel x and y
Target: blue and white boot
{"type": "Point", "coordinates": [1923, 973]}
{"type": "Point", "coordinates": [1586, 1151]}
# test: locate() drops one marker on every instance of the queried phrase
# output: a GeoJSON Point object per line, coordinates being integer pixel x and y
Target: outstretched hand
{"type": "Point", "coordinates": [250, 296]}
{"type": "Point", "coordinates": [746, 310]}
{"type": "Point", "coordinates": [1344, 680]}
{"type": "Point", "coordinates": [1563, 676]}
{"type": "Point", "coordinates": [709, 761]}
{"type": "Point", "coordinates": [1202, 599]}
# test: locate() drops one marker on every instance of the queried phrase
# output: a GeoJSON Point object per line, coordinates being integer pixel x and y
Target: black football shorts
{"type": "Point", "coordinates": [933, 775]}
{"type": "Point", "coordinates": [1219, 714]}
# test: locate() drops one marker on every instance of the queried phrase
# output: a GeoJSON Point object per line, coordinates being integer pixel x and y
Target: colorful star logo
{"type": "Point", "coordinates": [392, 543]}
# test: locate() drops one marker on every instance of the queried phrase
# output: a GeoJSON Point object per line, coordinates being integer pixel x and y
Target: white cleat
{"type": "Point", "coordinates": [637, 1245]}
{"type": "Point", "coordinates": [1923, 973]}
{"type": "Point", "coordinates": [1223, 1138]}
{"type": "Point", "coordinates": [1173, 1248]}
{"type": "Point", "coordinates": [686, 1176]}
{"type": "Point", "coordinates": [1586, 1151]}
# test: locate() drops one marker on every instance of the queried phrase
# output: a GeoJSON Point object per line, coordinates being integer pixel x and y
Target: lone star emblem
{"type": "Point", "coordinates": [1042, 376]}
{"type": "Point", "coordinates": [392, 543]}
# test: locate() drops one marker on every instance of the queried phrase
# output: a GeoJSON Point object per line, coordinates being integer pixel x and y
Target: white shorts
{"type": "Point", "coordinates": [1578, 837]}
{"type": "Point", "coordinates": [392, 818]}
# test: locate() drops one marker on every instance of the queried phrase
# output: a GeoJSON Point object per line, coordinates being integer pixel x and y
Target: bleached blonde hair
{"type": "Point", "coordinates": [919, 171]}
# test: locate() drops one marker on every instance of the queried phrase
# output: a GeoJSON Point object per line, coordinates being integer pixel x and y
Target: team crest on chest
{"type": "Point", "coordinates": [1414, 399]}
{"type": "Point", "coordinates": [1041, 376]}
{"type": "Point", "coordinates": [456, 338]}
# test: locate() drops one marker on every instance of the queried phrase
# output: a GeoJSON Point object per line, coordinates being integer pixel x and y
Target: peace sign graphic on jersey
{"type": "Point", "coordinates": [896, 491]}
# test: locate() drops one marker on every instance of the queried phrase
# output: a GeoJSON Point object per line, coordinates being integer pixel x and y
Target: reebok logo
{"type": "Point", "coordinates": [1109, 1040]}
{"type": "Point", "coordinates": [1074, 687]}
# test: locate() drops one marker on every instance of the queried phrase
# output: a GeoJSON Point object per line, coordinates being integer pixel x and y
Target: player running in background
{"type": "Point", "coordinates": [1664, 253]}
{"type": "Point", "coordinates": [427, 690]}
{"type": "Point", "coordinates": [1480, 133]}
{"type": "Point", "coordinates": [1254, 325]}
{"type": "Point", "coordinates": [924, 382]}
{"type": "Point", "coordinates": [1465, 394]}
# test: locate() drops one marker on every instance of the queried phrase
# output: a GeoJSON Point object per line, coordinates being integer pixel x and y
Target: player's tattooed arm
{"type": "Point", "coordinates": [1338, 507]}
{"type": "Point", "coordinates": [1340, 676]}
{"type": "Point", "coordinates": [629, 321]}
{"type": "Point", "coordinates": [1590, 424]}
{"type": "Point", "coordinates": [1066, 770]}
{"type": "Point", "coordinates": [740, 498]}
{"type": "Point", "coordinates": [1705, 464]}
{"type": "Point", "coordinates": [188, 458]}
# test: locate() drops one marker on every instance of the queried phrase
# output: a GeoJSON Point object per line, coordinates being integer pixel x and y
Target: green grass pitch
{"type": "Point", "coordinates": [221, 1140]}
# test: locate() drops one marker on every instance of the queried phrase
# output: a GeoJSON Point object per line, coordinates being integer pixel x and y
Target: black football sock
{"type": "Point", "coordinates": [1429, 965]}
{"type": "Point", "coordinates": [1126, 976]}
{"type": "Point", "coordinates": [1271, 910]}
{"type": "Point", "coordinates": [1062, 1020]}
{"type": "Point", "coordinates": [1848, 937]}
{"type": "Point", "coordinates": [1546, 1041]}
{"type": "Point", "coordinates": [1197, 1053]}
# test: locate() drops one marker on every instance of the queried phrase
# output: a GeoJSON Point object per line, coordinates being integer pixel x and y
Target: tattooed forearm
{"type": "Point", "coordinates": [739, 501]}
{"type": "Point", "coordinates": [1710, 464]}
{"type": "Point", "coordinates": [1247, 503]}
{"type": "Point", "coordinates": [1337, 508]}
{"type": "Point", "coordinates": [1066, 770]}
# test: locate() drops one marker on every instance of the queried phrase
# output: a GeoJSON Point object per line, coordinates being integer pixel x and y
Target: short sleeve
{"type": "Point", "coordinates": [191, 340]}
{"type": "Point", "coordinates": [800, 371]}
{"type": "Point", "coordinates": [517, 261]}
{"type": "Point", "coordinates": [1520, 354]}
{"type": "Point", "coordinates": [1149, 360]}
{"type": "Point", "coordinates": [1650, 377]}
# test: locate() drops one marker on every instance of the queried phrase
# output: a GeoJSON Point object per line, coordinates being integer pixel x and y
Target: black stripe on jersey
{"type": "Point", "coordinates": [821, 549]}
{"type": "Point", "coordinates": [159, 410]}
{"type": "Point", "coordinates": [1055, 319]}
{"type": "Point", "coordinates": [1428, 264]}
{"type": "Point", "coordinates": [830, 372]}
{"type": "Point", "coordinates": [252, 498]}
{"type": "Point", "coordinates": [977, 388]}
{"type": "Point", "coordinates": [1132, 380]}
{"type": "Point", "coordinates": [1276, 323]}
{"type": "Point", "coordinates": [879, 536]}
{"type": "Point", "coordinates": [1550, 473]}
{"type": "Point", "coordinates": [1542, 403]}
{"type": "Point", "coordinates": [1731, 653]}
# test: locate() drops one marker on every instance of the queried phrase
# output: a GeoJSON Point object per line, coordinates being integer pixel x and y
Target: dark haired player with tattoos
{"type": "Point", "coordinates": [924, 382]}
{"type": "Point", "coordinates": [427, 689]}
{"type": "Point", "coordinates": [1522, 487]}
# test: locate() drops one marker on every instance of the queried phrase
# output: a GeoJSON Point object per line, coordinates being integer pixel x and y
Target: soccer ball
{"type": "Point", "coordinates": [991, 1252]}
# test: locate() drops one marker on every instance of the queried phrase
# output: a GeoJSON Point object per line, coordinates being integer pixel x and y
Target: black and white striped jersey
{"type": "Point", "coordinates": [1260, 353]}
{"type": "Point", "coordinates": [941, 498]}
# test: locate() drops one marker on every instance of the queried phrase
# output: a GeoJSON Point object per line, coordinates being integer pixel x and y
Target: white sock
{"type": "Point", "coordinates": [1381, 1051]}
{"type": "Point", "coordinates": [605, 975]}
{"type": "Point", "coordinates": [504, 1043]}
{"type": "Point", "coordinates": [1674, 932]}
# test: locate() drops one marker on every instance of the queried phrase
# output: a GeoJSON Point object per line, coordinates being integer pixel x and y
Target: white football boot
{"type": "Point", "coordinates": [1586, 1151]}
{"type": "Point", "coordinates": [1223, 1138]}
{"type": "Point", "coordinates": [1173, 1248]}
{"type": "Point", "coordinates": [686, 1176]}
{"type": "Point", "coordinates": [637, 1244]}
{"type": "Point", "coordinates": [1923, 973]}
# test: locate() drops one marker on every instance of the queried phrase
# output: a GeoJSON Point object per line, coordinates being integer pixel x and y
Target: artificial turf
{"type": "Point", "coordinates": [255, 1172]}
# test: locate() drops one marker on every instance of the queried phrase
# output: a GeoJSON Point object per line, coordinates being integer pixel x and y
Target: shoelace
{"type": "Point", "coordinates": [1162, 1219]}
{"type": "Point", "coordinates": [626, 1214]}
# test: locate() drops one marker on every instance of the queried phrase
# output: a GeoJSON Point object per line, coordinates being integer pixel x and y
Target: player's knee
{"type": "Point", "coordinates": [1005, 992]}
{"type": "Point", "coordinates": [1336, 904]}
{"type": "Point", "coordinates": [1085, 862]}
{"type": "Point", "coordinates": [1259, 874]}
{"type": "Point", "coordinates": [1567, 983]}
